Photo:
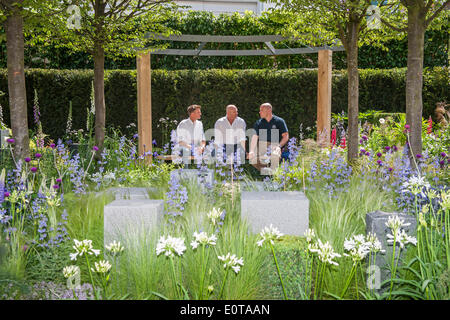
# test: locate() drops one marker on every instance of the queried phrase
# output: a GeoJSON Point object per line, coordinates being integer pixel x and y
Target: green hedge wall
{"type": "Point", "coordinates": [292, 93]}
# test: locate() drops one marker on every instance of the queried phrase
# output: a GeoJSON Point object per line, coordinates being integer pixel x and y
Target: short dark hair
{"type": "Point", "coordinates": [192, 108]}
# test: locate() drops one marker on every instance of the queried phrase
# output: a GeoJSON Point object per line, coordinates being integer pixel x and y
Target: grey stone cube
{"type": "Point", "coordinates": [189, 174]}
{"type": "Point", "coordinates": [124, 217]}
{"type": "Point", "coordinates": [288, 211]}
{"type": "Point", "coordinates": [376, 224]}
{"type": "Point", "coordinates": [130, 193]}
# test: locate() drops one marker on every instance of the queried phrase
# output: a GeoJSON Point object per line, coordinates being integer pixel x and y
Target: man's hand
{"type": "Point", "coordinates": [276, 151]}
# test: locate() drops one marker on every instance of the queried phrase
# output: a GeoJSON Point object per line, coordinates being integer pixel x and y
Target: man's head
{"type": "Point", "coordinates": [265, 110]}
{"type": "Point", "coordinates": [232, 112]}
{"type": "Point", "coordinates": [194, 111]}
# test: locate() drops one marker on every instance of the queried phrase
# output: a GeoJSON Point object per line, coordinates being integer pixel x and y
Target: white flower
{"type": "Point", "coordinates": [203, 239]}
{"type": "Point", "coordinates": [232, 261]}
{"type": "Point", "coordinates": [373, 243]}
{"type": "Point", "coordinates": [395, 223]}
{"type": "Point", "coordinates": [402, 238]}
{"type": "Point", "coordinates": [102, 266]}
{"type": "Point", "coordinates": [326, 253]}
{"type": "Point", "coordinates": [270, 234]}
{"type": "Point", "coordinates": [415, 185]}
{"type": "Point", "coordinates": [170, 246]}
{"type": "Point", "coordinates": [445, 196]}
{"type": "Point", "coordinates": [382, 121]}
{"type": "Point", "coordinates": [214, 215]}
{"type": "Point", "coordinates": [310, 235]}
{"type": "Point", "coordinates": [357, 247]}
{"type": "Point", "coordinates": [70, 271]}
{"type": "Point", "coordinates": [83, 247]}
{"type": "Point", "coordinates": [115, 248]}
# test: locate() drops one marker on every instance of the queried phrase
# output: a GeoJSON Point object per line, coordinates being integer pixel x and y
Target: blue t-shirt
{"type": "Point", "coordinates": [276, 126]}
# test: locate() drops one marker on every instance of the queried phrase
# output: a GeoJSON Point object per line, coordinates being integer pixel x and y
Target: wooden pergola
{"type": "Point", "coordinates": [144, 76]}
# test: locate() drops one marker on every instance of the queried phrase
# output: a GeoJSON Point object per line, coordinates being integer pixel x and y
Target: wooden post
{"type": "Point", "coordinates": [144, 101]}
{"type": "Point", "coordinates": [324, 97]}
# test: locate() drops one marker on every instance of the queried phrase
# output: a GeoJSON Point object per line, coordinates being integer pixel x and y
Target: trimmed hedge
{"type": "Point", "coordinates": [292, 92]}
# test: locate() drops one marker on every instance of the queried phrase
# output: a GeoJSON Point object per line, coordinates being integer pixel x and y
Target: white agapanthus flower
{"type": "Point", "coordinates": [214, 215]}
{"type": "Point", "coordinates": [270, 234]}
{"type": "Point", "coordinates": [415, 185]}
{"type": "Point", "coordinates": [395, 223]}
{"type": "Point", "coordinates": [70, 271]}
{"type": "Point", "coordinates": [115, 248]}
{"type": "Point", "coordinates": [102, 266]}
{"type": "Point", "coordinates": [382, 121]}
{"type": "Point", "coordinates": [232, 261]}
{"type": "Point", "coordinates": [310, 235]}
{"type": "Point", "coordinates": [373, 243]}
{"type": "Point", "coordinates": [83, 247]}
{"type": "Point", "coordinates": [325, 252]}
{"type": "Point", "coordinates": [402, 238]}
{"type": "Point", "coordinates": [357, 247]}
{"type": "Point", "coordinates": [170, 246]}
{"type": "Point", "coordinates": [445, 196]}
{"type": "Point", "coordinates": [203, 239]}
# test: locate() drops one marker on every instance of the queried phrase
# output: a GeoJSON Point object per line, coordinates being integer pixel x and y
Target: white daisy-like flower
{"type": "Point", "coordinates": [83, 247]}
{"type": "Point", "coordinates": [232, 261]}
{"type": "Point", "coordinates": [203, 239]}
{"type": "Point", "coordinates": [214, 215]}
{"type": "Point", "coordinates": [115, 248]}
{"type": "Point", "coordinates": [395, 223]}
{"type": "Point", "coordinates": [402, 238]}
{"type": "Point", "coordinates": [270, 234]}
{"type": "Point", "coordinates": [170, 246]}
{"type": "Point", "coordinates": [102, 266]}
{"type": "Point", "coordinates": [71, 271]}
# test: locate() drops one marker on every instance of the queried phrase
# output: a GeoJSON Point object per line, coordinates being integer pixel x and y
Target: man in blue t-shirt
{"type": "Point", "coordinates": [271, 135]}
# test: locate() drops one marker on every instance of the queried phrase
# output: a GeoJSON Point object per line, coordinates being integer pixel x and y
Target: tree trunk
{"type": "Point", "coordinates": [414, 79]}
{"type": "Point", "coordinates": [16, 83]}
{"type": "Point", "coordinates": [353, 90]}
{"type": "Point", "coordinates": [99, 95]}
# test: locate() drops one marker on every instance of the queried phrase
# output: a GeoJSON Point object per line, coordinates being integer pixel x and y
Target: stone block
{"type": "Point", "coordinates": [286, 210]}
{"type": "Point", "coordinates": [376, 224]}
{"type": "Point", "coordinates": [189, 174]}
{"type": "Point", "coordinates": [130, 193]}
{"type": "Point", "coordinates": [122, 217]}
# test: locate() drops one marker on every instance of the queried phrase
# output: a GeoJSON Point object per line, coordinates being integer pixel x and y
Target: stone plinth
{"type": "Point", "coordinates": [286, 210]}
{"type": "Point", "coordinates": [189, 174]}
{"type": "Point", "coordinates": [122, 217]}
{"type": "Point", "coordinates": [376, 224]}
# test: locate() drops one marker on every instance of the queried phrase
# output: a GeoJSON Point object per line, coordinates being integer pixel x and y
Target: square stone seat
{"type": "Point", "coordinates": [288, 211]}
{"type": "Point", "coordinates": [132, 193]}
{"type": "Point", "coordinates": [122, 217]}
{"type": "Point", "coordinates": [189, 174]}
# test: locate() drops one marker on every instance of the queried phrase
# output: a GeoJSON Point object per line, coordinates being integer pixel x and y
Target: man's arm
{"type": "Point", "coordinates": [253, 144]}
{"type": "Point", "coordinates": [284, 139]}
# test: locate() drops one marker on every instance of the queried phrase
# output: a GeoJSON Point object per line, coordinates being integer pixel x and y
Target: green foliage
{"type": "Point", "coordinates": [393, 54]}
{"type": "Point", "coordinates": [291, 92]}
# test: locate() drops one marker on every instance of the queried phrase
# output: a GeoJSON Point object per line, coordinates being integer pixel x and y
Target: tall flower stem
{"type": "Point", "coordinates": [223, 282]}
{"type": "Point", "coordinates": [174, 277]}
{"type": "Point", "coordinates": [348, 281]}
{"type": "Point", "coordinates": [90, 275]}
{"type": "Point", "coordinates": [393, 264]}
{"type": "Point", "coordinates": [278, 270]}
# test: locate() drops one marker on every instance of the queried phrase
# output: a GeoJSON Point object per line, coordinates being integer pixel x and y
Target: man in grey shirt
{"type": "Point", "coordinates": [229, 133]}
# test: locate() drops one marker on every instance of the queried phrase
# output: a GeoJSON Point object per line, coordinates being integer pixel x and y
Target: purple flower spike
{"type": "Point", "coordinates": [53, 146]}
{"type": "Point", "coordinates": [10, 140]}
{"type": "Point", "coordinates": [58, 180]}
{"type": "Point", "coordinates": [38, 155]}
{"type": "Point", "coordinates": [387, 148]}
{"type": "Point", "coordinates": [27, 159]}
{"type": "Point", "coordinates": [6, 194]}
{"type": "Point", "coordinates": [442, 162]}
{"type": "Point", "coordinates": [365, 138]}
{"type": "Point", "coordinates": [95, 148]}
{"type": "Point", "coordinates": [33, 169]}
{"type": "Point", "coordinates": [55, 186]}
{"type": "Point", "coordinates": [443, 154]}
{"type": "Point", "coordinates": [379, 154]}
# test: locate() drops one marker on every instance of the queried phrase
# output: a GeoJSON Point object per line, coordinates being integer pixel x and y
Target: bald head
{"type": "Point", "coordinates": [265, 111]}
{"type": "Point", "coordinates": [232, 112]}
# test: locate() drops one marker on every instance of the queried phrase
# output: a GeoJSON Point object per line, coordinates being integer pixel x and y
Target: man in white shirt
{"type": "Point", "coordinates": [190, 135]}
{"type": "Point", "coordinates": [229, 133]}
